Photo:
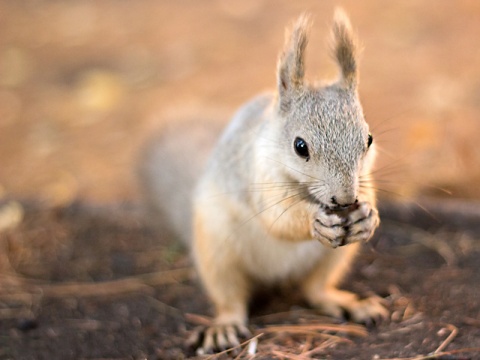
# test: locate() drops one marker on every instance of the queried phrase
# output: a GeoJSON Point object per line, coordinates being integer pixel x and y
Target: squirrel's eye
{"type": "Point", "coordinates": [370, 140]}
{"type": "Point", "coordinates": [301, 148]}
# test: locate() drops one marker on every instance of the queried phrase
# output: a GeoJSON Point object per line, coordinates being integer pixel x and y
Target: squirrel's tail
{"type": "Point", "coordinates": [169, 166]}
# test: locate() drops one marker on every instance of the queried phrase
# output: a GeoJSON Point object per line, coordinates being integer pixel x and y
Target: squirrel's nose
{"type": "Point", "coordinates": [343, 202]}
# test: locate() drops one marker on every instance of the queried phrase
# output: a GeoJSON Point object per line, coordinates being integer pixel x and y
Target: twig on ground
{"type": "Point", "coordinates": [312, 335]}
{"type": "Point", "coordinates": [471, 322]}
{"type": "Point", "coordinates": [198, 319]}
{"type": "Point", "coordinates": [308, 344]}
{"type": "Point", "coordinates": [105, 288]}
{"type": "Point", "coordinates": [322, 347]}
{"type": "Point", "coordinates": [438, 355]}
{"type": "Point", "coordinates": [350, 329]}
{"type": "Point", "coordinates": [291, 356]}
{"type": "Point", "coordinates": [453, 333]}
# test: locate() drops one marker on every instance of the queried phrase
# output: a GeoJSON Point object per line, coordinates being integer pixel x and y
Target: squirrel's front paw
{"type": "Point", "coordinates": [329, 228]}
{"type": "Point", "coordinates": [362, 222]}
{"type": "Point", "coordinates": [338, 228]}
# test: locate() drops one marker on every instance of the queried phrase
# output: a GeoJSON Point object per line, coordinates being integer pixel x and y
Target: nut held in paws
{"type": "Point", "coordinates": [342, 211]}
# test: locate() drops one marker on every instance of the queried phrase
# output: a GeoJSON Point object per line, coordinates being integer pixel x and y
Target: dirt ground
{"type": "Point", "coordinates": [83, 83]}
{"type": "Point", "coordinates": [130, 293]}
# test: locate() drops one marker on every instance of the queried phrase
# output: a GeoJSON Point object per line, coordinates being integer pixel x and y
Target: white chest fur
{"type": "Point", "coordinates": [271, 260]}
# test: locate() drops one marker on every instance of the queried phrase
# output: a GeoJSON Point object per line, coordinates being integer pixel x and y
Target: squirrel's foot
{"type": "Point", "coordinates": [347, 306]}
{"type": "Point", "coordinates": [217, 338]}
{"type": "Point", "coordinates": [335, 230]}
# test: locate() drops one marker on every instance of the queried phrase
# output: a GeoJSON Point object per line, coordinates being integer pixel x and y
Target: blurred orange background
{"type": "Point", "coordinates": [83, 83]}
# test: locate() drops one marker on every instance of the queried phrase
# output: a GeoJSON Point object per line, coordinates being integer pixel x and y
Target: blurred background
{"type": "Point", "coordinates": [83, 83]}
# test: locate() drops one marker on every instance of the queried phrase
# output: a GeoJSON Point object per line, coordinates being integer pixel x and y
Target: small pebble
{"type": "Point", "coordinates": [27, 324]}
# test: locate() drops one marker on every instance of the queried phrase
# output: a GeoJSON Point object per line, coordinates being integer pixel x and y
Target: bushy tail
{"type": "Point", "coordinates": [168, 169]}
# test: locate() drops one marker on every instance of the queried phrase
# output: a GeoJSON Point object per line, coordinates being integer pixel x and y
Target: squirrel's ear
{"type": "Point", "coordinates": [291, 68]}
{"type": "Point", "coordinates": [345, 48]}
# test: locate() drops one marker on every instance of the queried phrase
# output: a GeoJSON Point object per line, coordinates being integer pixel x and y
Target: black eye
{"type": "Point", "coordinates": [301, 148]}
{"type": "Point", "coordinates": [370, 140]}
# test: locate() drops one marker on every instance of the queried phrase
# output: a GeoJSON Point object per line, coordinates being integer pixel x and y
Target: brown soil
{"type": "Point", "coordinates": [95, 283]}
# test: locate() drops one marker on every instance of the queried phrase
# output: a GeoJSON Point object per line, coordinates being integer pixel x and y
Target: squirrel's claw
{"type": "Point", "coordinates": [329, 236]}
{"type": "Point", "coordinates": [344, 305]}
{"type": "Point", "coordinates": [329, 229]}
{"type": "Point", "coordinates": [369, 311]}
{"type": "Point", "coordinates": [217, 338]}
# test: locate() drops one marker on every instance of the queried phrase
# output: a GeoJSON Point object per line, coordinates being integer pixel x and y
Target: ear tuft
{"type": "Point", "coordinates": [291, 64]}
{"type": "Point", "coordinates": [345, 48]}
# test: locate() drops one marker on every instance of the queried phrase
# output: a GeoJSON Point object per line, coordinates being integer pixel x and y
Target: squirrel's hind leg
{"type": "Point", "coordinates": [227, 286]}
{"type": "Point", "coordinates": [320, 289]}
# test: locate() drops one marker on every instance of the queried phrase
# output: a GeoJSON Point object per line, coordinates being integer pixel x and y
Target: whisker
{"type": "Point", "coordinates": [363, 182]}
{"type": "Point", "coordinates": [391, 118]}
{"type": "Point", "coordinates": [267, 208]}
{"type": "Point", "coordinates": [384, 191]}
{"type": "Point", "coordinates": [385, 170]}
{"type": "Point", "coordinates": [288, 208]}
{"type": "Point", "coordinates": [320, 191]}
{"type": "Point", "coordinates": [387, 153]}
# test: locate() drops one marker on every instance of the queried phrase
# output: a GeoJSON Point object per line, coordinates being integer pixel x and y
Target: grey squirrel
{"type": "Point", "coordinates": [288, 184]}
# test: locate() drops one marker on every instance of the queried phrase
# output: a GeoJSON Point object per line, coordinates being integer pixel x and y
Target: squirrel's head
{"type": "Point", "coordinates": [327, 143]}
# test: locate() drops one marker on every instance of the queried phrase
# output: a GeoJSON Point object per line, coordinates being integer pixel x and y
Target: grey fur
{"type": "Point", "coordinates": [329, 118]}
{"type": "Point", "coordinates": [167, 172]}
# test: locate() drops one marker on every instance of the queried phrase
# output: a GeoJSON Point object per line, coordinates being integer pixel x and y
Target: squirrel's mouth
{"type": "Point", "coordinates": [312, 196]}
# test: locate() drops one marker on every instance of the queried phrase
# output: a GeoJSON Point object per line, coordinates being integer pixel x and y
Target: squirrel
{"type": "Point", "coordinates": [287, 193]}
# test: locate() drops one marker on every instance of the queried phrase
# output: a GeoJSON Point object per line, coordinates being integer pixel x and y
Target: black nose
{"type": "Point", "coordinates": [341, 206]}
